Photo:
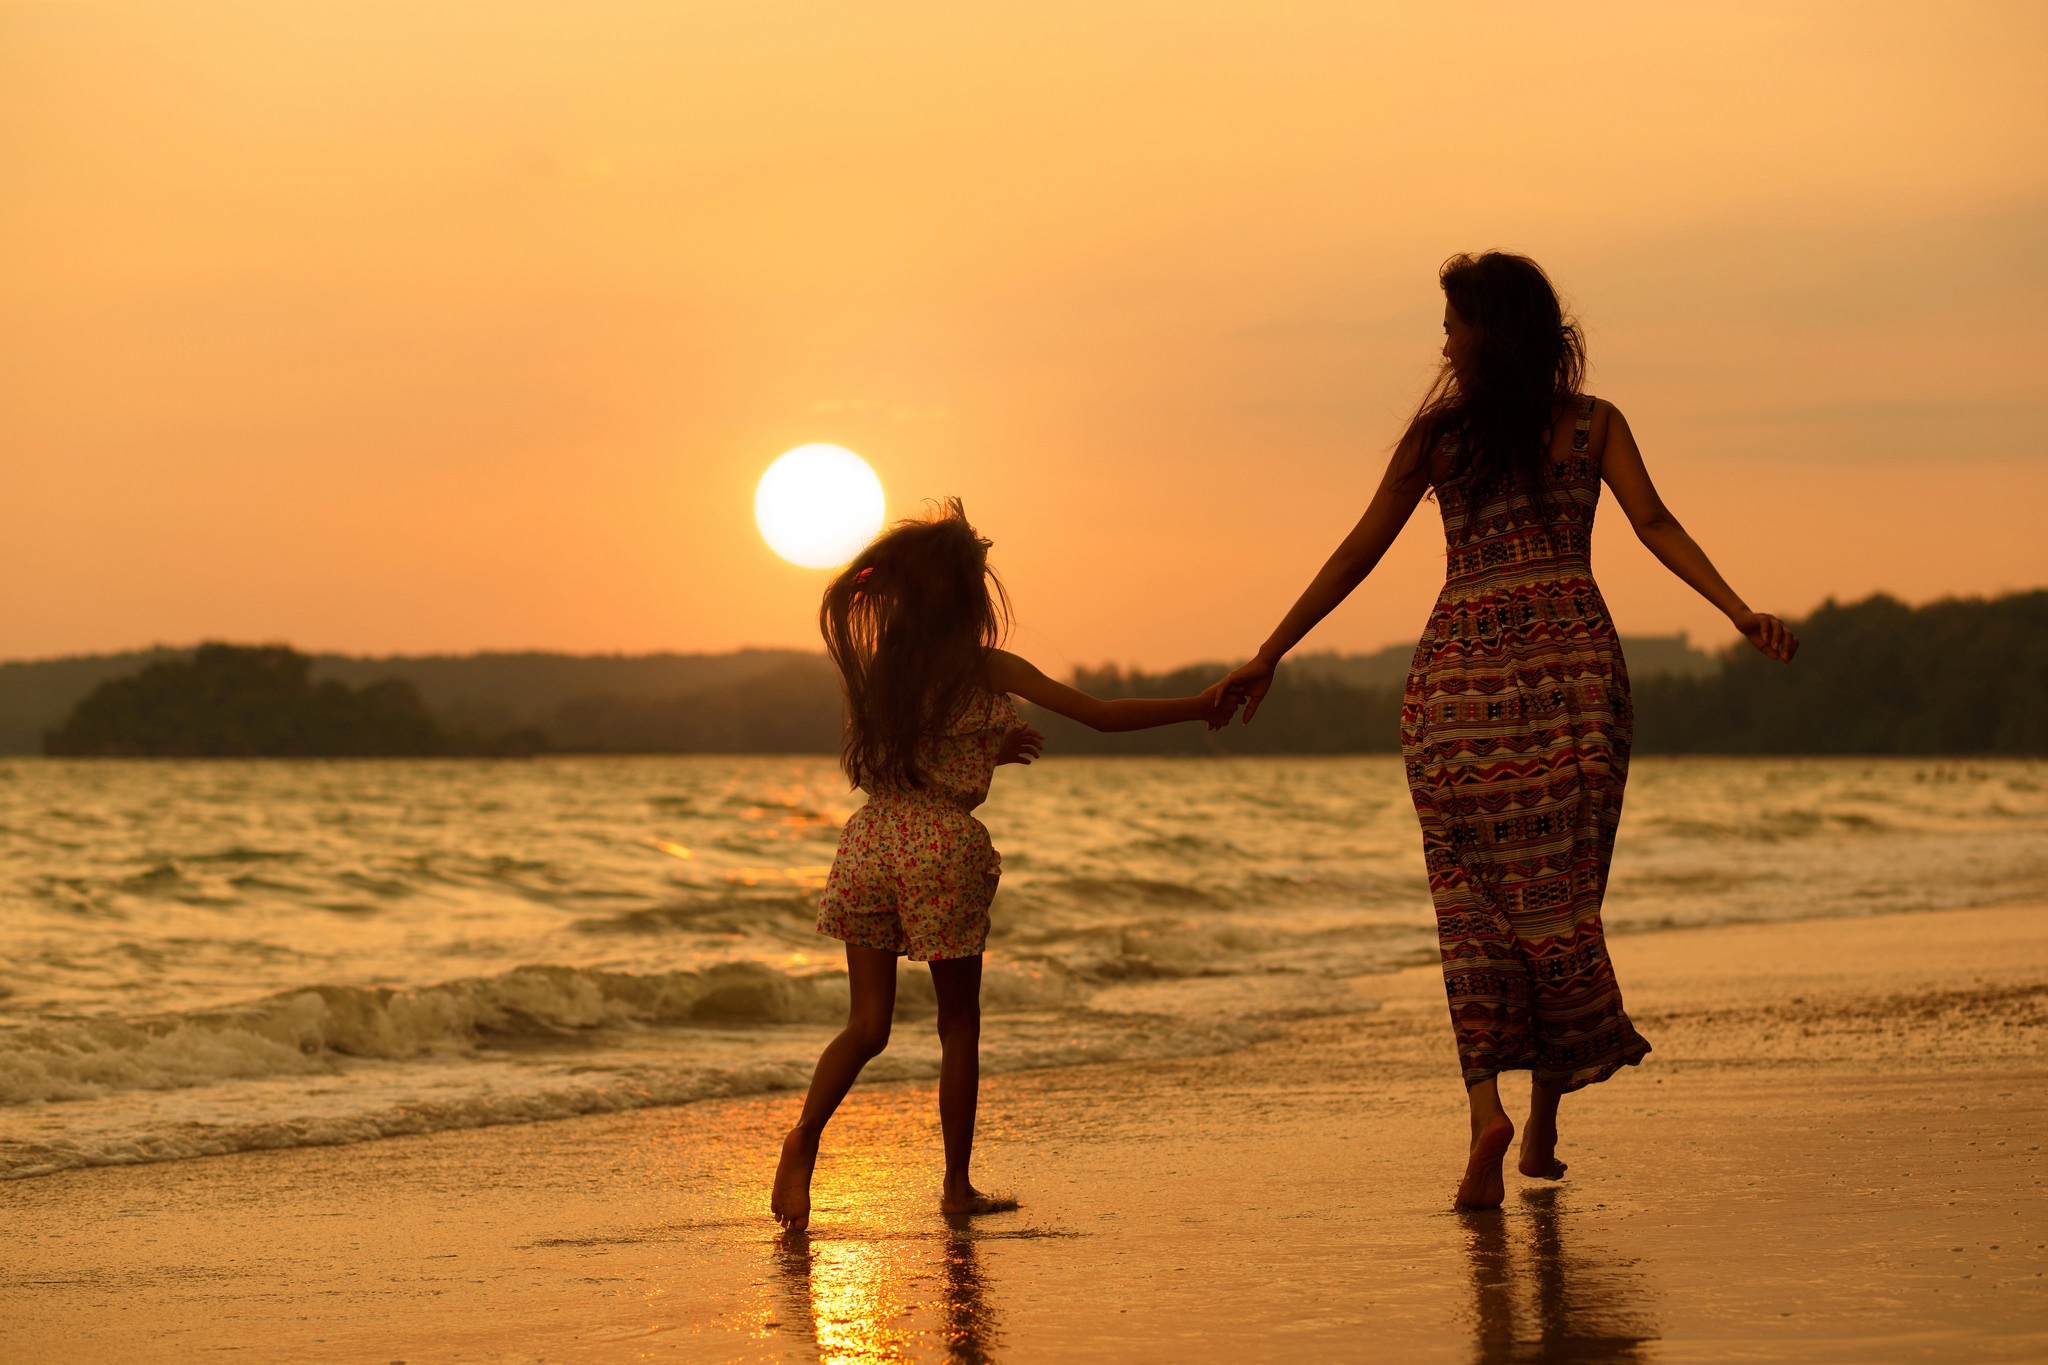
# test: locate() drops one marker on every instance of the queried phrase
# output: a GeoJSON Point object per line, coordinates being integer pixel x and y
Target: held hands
{"type": "Point", "coordinates": [1247, 683]}
{"type": "Point", "coordinates": [1768, 634]}
{"type": "Point", "coordinates": [1020, 745]}
{"type": "Point", "coordinates": [1218, 707]}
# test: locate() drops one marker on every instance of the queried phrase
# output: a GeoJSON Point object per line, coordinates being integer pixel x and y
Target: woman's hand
{"type": "Point", "coordinates": [1249, 682]}
{"type": "Point", "coordinates": [1020, 745]}
{"type": "Point", "coordinates": [1768, 634]}
{"type": "Point", "coordinates": [1219, 706]}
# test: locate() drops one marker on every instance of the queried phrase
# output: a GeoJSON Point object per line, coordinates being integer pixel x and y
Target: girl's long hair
{"type": "Point", "coordinates": [1531, 359]}
{"type": "Point", "coordinates": [910, 623]}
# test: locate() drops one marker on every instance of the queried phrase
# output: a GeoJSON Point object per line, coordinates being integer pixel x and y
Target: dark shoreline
{"type": "Point", "coordinates": [1955, 678]}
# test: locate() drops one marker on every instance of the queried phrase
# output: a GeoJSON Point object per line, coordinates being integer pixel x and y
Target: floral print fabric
{"type": "Point", "coordinates": [915, 871]}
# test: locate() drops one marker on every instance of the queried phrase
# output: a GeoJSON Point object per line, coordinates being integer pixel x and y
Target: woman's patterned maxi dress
{"type": "Point", "coordinates": [1516, 728]}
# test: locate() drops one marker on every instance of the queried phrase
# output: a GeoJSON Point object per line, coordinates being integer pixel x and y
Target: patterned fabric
{"type": "Point", "coordinates": [915, 872]}
{"type": "Point", "coordinates": [1516, 727]}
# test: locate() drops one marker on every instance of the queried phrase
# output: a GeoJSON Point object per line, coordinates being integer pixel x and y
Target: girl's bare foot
{"type": "Point", "coordinates": [973, 1201]}
{"type": "Point", "coordinates": [1483, 1186]}
{"type": "Point", "coordinates": [1539, 1150]}
{"type": "Point", "coordinates": [792, 1199]}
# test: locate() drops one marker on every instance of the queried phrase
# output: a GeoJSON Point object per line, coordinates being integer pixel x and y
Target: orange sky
{"type": "Point", "coordinates": [421, 325]}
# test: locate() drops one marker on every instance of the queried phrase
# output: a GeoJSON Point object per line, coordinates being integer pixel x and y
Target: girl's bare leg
{"type": "Point", "coordinates": [957, 982]}
{"type": "Point", "coordinates": [1539, 1136]}
{"type": "Point", "coordinates": [1483, 1186]}
{"type": "Point", "coordinates": [871, 988]}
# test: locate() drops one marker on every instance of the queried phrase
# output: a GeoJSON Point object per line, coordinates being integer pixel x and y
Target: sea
{"type": "Point", "coordinates": [214, 956]}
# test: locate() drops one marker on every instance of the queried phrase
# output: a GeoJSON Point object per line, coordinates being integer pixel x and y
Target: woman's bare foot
{"type": "Point", "coordinates": [975, 1202]}
{"type": "Point", "coordinates": [1483, 1186]}
{"type": "Point", "coordinates": [792, 1199]}
{"type": "Point", "coordinates": [1539, 1150]}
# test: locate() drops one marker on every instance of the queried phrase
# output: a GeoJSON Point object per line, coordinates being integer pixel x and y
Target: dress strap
{"type": "Point", "coordinates": [1582, 430]}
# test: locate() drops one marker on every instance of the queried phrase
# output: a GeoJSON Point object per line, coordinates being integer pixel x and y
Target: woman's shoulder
{"type": "Point", "coordinates": [1583, 406]}
{"type": "Point", "coordinates": [1607, 421]}
{"type": "Point", "coordinates": [1601, 411]}
{"type": "Point", "coordinates": [1427, 448]}
{"type": "Point", "coordinates": [1591, 415]}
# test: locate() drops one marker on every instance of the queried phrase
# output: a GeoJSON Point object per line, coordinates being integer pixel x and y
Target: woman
{"type": "Point", "coordinates": [1516, 722]}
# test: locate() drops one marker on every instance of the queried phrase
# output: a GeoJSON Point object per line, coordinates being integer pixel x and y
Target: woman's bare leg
{"type": "Point", "coordinates": [957, 983]}
{"type": "Point", "coordinates": [1539, 1136]}
{"type": "Point", "coordinates": [871, 991]}
{"type": "Point", "coordinates": [1483, 1186]}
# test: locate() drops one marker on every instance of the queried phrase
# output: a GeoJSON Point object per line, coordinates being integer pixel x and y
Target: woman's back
{"type": "Point", "coordinates": [1511, 532]}
{"type": "Point", "coordinates": [1518, 588]}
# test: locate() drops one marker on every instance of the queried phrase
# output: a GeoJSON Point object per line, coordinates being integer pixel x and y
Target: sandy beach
{"type": "Point", "coordinates": [1833, 1154]}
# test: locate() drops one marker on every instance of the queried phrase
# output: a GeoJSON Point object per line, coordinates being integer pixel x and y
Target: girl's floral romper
{"type": "Point", "coordinates": [915, 871]}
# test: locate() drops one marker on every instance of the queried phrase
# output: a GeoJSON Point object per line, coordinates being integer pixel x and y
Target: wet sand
{"type": "Point", "coordinates": [1834, 1154]}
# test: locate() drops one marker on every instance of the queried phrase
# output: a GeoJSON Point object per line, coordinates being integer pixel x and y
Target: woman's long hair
{"type": "Point", "coordinates": [1531, 359]}
{"type": "Point", "coordinates": [910, 623]}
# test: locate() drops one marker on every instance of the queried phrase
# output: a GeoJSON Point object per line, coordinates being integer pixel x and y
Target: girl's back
{"type": "Point", "coordinates": [957, 762]}
{"type": "Point", "coordinates": [910, 623]}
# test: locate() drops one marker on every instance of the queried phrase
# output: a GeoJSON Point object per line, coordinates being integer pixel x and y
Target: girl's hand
{"type": "Point", "coordinates": [1248, 682]}
{"type": "Point", "coordinates": [1020, 745]}
{"type": "Point", "coordinates": [1220, 705]}
{"type": "Point", "coordinates": [1768, 634]}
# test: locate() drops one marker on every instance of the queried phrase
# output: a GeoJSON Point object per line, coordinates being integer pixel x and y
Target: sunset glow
{"type": "Point", "coordinates": [817, 505]}
{"type": "Point", "coordinates": [400, 328]}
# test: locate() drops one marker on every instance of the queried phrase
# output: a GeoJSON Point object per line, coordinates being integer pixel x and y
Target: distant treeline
{"type": "Point", "coordinates": [484, 694]}
{"type": "Point", "coordinates": [1957, 677]}
{"type": "Point", "coordinates": [260, 701]}
{"type": "Point", "coordinates": [1964, 676]}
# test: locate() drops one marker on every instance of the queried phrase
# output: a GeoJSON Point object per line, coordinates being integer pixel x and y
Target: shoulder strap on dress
{"type": "Point", "coordinates": [982, 711]}
{"type": "Point", "coordinates": [1582, 430]}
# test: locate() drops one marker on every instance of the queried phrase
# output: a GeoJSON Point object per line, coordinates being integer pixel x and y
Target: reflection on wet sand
{"type": "Point", "coordinates": [894, 1299]}
{"type": "Point", "coordinates": [1536, 1300]}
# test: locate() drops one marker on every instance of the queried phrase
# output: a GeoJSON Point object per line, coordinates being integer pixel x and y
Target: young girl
{"type": "Point", "coordinates": [913, 625]}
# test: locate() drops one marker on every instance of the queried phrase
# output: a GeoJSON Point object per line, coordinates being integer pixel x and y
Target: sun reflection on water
{"type": "Point", "coordinates": [878, 1302]}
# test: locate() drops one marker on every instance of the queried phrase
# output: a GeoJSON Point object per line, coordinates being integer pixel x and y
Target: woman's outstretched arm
{"type": "Point", "coordinates": [1621, 465]}
{"type": "Point", "coordinates": [1401, 488]}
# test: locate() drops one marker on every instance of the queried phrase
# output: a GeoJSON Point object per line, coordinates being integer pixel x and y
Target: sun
{"type": "Point", "coordinates": [817, 505]}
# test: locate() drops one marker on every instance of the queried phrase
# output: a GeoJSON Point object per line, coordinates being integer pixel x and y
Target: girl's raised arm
{"type": "Point", "coordinates": [1621, 465]}
{"type": "Point", "coordinates": [1008, 673]}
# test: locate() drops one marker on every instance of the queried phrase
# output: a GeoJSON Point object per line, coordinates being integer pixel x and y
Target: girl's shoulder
{"type": "Point", "coordinates": [981, 709]}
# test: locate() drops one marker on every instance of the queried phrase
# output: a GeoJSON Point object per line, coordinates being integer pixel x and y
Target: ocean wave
{"type": "Point", "coordinates": [308, 1031]}
{"type": "Point", "coordinates": [638, 1089]}
{"type": "Point", "coordinates": [1032, 1039]}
